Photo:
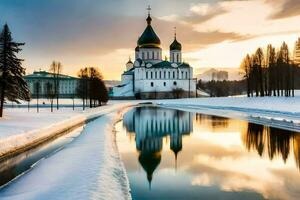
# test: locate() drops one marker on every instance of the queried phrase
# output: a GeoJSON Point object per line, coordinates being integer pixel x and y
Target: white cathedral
{"type": "Point", "coordinates": [149, 76]}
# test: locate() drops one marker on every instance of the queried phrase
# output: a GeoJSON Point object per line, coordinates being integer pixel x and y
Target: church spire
{"type": "Point", "coordinates": [149, 19]}
{"type": "Point", "coordinates": [175, 33]}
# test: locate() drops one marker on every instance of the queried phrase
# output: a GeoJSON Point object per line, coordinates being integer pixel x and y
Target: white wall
{"type": "Point", "coordinates": [163, 80]}
{"type": "Point", "coordinates": [150, 54]}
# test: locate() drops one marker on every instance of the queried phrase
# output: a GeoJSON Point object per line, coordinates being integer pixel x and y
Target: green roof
{"type": "Point", "coordinates": [46, 75]}
{"type": "Point", "coordinates": [167, 64]}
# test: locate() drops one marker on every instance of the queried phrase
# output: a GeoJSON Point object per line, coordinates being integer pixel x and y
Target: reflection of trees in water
{"type": "Point", "coordinates": [150, 125]}
{"type": "Point", "coordinates": [275, 142]}
{"type": "Point", "coordinates": [296, 146]}
{"type": "Point", "coordinates": [214, 121]}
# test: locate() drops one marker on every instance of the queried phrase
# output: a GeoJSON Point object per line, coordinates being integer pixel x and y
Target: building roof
{"type": "Point", "coordinates": [129, 72]}
{"type": "Point", "coordinates": [47, 75]}
{"type": "Point", "coordinates": [149, 39]}
{"type": "Point", "coordinates": [167, 64]}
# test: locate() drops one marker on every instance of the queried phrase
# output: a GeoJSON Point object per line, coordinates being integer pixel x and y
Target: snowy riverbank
{"type": "Point", "coordinates": [280, 112]}
{"type": "Point", "coordinates": [21, 129]}
{"type": "Point", "coordinates": [87, 168]}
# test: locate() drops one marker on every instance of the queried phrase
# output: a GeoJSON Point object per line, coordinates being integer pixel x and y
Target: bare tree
{"type": "Point", "coordinates": [56, 70]}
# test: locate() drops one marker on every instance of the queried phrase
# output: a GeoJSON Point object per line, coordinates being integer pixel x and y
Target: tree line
{"type": "Point", "coordinates": [222, 88]}
{"type": "Point", "coordinates": [270, 73]}
{"type": "Point", "coordinates": [14, 88]}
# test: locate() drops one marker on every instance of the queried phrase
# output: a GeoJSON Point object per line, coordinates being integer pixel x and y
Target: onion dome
{"type": "Point", "coordinates": [149, 39]}
{"type": "Point", "coordinates": [129, 61]}
{"type": "Point", "coordinates": [175, 45]}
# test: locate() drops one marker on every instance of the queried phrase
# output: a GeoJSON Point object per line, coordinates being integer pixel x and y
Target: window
{"type": "Point", "coordinates": [186, 75]}
{"type": "Point", "coordinates": [175, 83]}
{"type": "Point", "coordinates": [151, 75]}
{"type": "Point", "coordinates": [147, 55]}
{"type": "Point", "coordinates": [165, 84]}
{"type": "Point", "coordinates": [173, 74]}
{"type": "Point", "coordinates": [152, 84]}
{"type": "Point", "coordinates": [147, 75]}
{"type": "Point", "coordinates": [164, 74]}
{"type": "Point", "coordinates": [177, 57]}
{"type": "Point", "coordinates": [143, 55]}
{"type": "Point", "coordinates": [153, 57]}
{"type": "Point", "coordinates": [169, 73]}
{"type": "Point", "coordinates": [159, 74]}
{"type": "Point", "coordinates": [182, 75]}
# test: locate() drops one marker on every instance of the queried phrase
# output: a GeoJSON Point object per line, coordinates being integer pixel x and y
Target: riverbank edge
{"type": "Point", "coordinates": [241, 114]}
{"type": "Point", "coordinates": [54, 131]}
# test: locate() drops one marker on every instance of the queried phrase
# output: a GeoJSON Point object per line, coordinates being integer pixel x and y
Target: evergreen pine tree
{"type": "Point", "coordinates": [12, 85]}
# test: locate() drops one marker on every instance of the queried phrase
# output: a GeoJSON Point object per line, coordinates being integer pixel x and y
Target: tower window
{"type": "Point", "coordinates": [186, 74]}
{"type": "Point", "coordinates": [177, 57]}
{"type": "Point", "coordinates": [164, 83]}
{"type": "Point", "coordinates": [153, 57]}
{"type": "Point", "coordinates": [151, 75]}
{"type": "Point", "coordinates": [164, 74]}
{"type": "Point", "coordinates": [152, 84]}
{"type": "Point", "coordinates": [147, 75]}
{"type": "Point", "coordinates": [173, 74]}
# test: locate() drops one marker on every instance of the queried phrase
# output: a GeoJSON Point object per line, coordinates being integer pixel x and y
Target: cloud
{"type": "Point", "coordinates": [284, 8]}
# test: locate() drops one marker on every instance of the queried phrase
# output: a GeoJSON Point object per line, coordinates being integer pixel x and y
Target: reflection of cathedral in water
{"type": "Point", "coordinates": [151, 125]}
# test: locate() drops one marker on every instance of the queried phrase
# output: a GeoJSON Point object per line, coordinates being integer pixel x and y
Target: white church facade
{"type": "Point", "coordinates": [149, 76]}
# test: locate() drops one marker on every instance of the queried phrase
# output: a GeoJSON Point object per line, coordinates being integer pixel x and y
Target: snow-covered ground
{"type": "Point", "coordinates": [88, 168]}
{"type": "Point", "coordinates": [20, 128]}
{"type": "Point", "coordinates": [281, 112]}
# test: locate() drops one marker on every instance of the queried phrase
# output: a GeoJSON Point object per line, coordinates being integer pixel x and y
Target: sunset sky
{"type": "Point", "coordinates": [103, 33]}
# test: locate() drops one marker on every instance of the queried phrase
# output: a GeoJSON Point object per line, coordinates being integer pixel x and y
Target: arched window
{"type": "Point", "coordinates": [153, 57]}
{"type": "Point", "coordinates": [169, 75]}
{"type": "Point", "coordinates": [165, 84]}
{"type": "Point", "coordinates": [173, 74]}
{"type": "Point", "coordinates": [151, 75]}
{"type": "Point", "coordinates": [152, 84]}
{"type": "Point", "coordinates": [143, 55]}
{"type": "Point", "coordinates": [147, 75]}
{"type": "Point", "coordinates": [159, 74]}
{"type": "Point", "coordinates": [182, 75]}
{"type": "Point", "coordinates": [155, 74]}
{"type": "Point", "coordinates": [175, 83]}
{"type": "Point", "coordinates": [177, 57]}
{"type": "Point", "coordinates": [147, 55]}
{"type": "Point", "coordinates": [164, 74]}
{"type": "Point", "coordinates": [186, 75]}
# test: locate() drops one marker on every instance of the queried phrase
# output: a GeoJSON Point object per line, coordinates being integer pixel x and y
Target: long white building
{"type": "Point", "coordinates": [149, 76]}
{"type": "Point", "coordinates": [67, 84]}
